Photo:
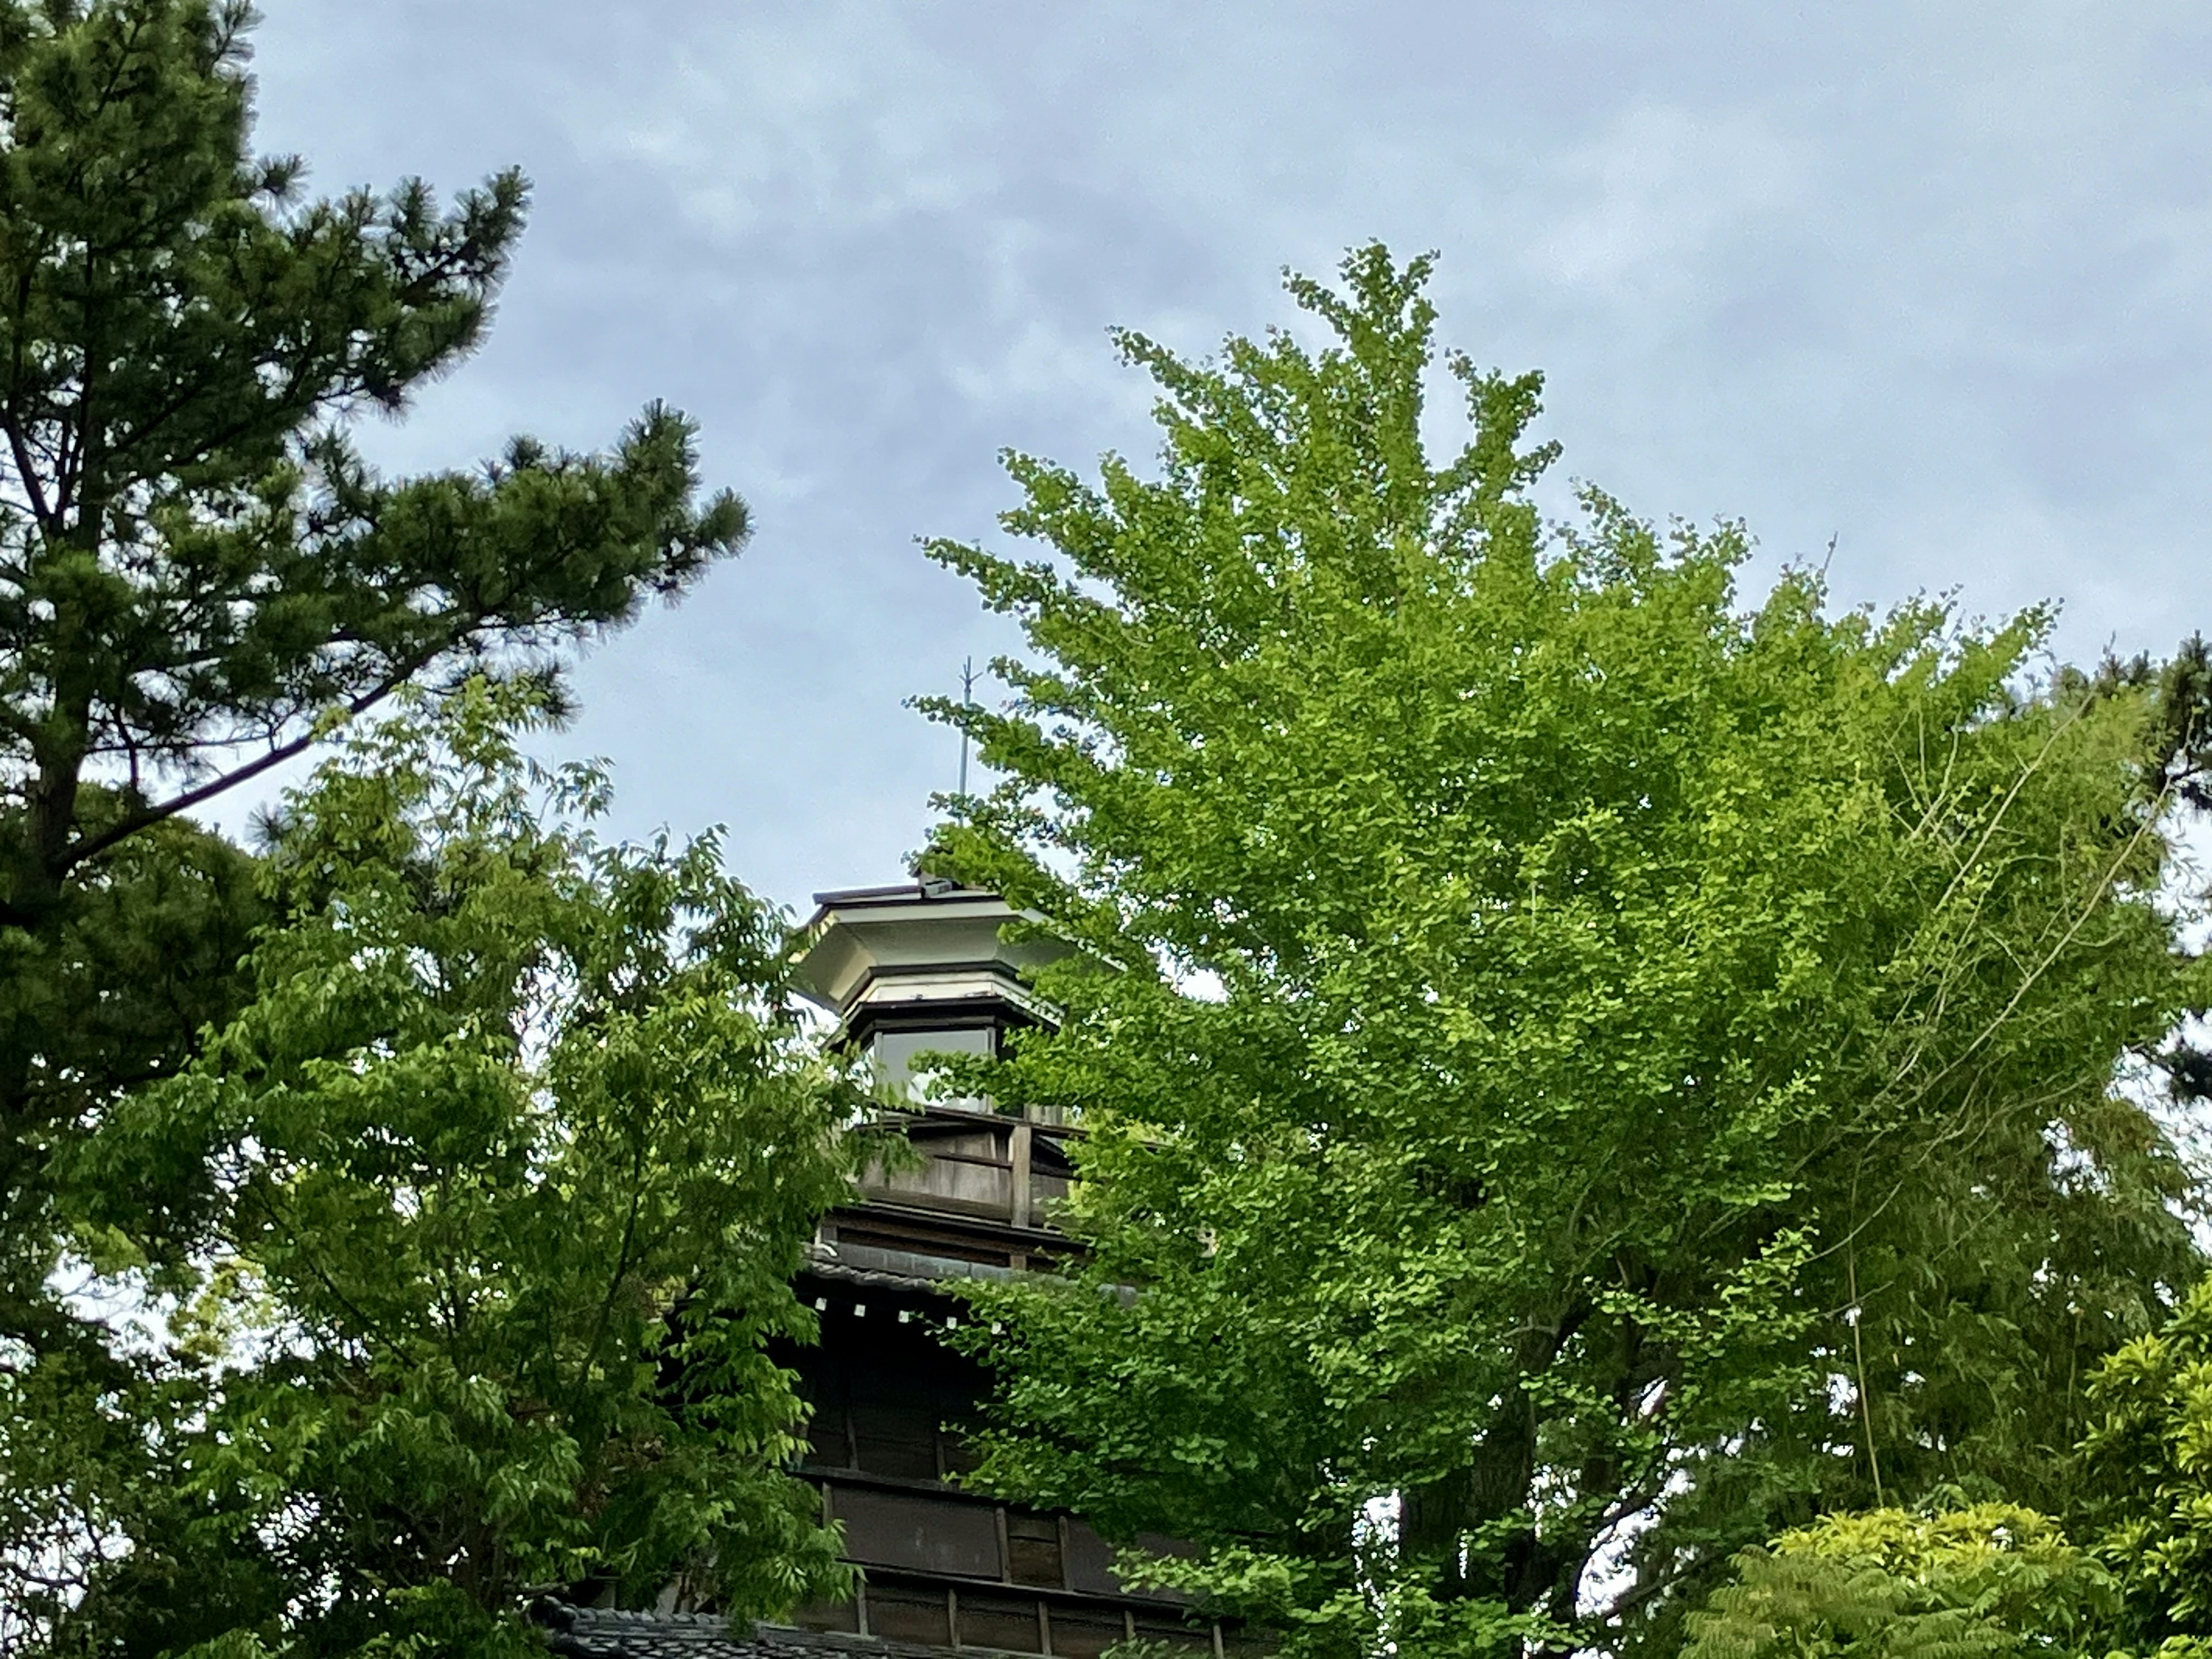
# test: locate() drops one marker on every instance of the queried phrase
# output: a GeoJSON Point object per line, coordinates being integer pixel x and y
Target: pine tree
{"type": "Point", "coordinates": [197, 572]}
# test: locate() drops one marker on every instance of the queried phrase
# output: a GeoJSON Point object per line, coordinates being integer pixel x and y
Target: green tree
{"type": "Point", "coordinates": [197, 573]}
{"type": "Point", "coordinates": [2147, 1467]}
{"type": "Point", "coordinates": [1995, 1579]}
{"type": "Point", "coordinates": [1590, 1076]}
{"type": "Point", "coordinates": [1990, 1579]}
{"type": "Point", "coordinates": [520, 1146]}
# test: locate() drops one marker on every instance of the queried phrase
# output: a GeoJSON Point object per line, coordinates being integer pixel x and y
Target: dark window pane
{"type": "Point", "coordinates": [907, 1615]}
{"type": "Point", "coordinates": [895, 1439]}
{"type": "Point", "coordinates": [1033, 1549]}
{"type": "Point", "coordinates": [998, 1621]}
{"type": "Point", "coordinates": [829, 1615]}
{"type": "Point", "coordinates": [825, 1438]}
{"type": "Point", "coordinates": [960, 1458]}
{"type": "Point", "coordinates": [911, 1529]}
{"type": "Point", "coordinates": [955, 1393]}
{"type": "Point", "coordinates": [1084, 1633]}
{"type": "Point", "coordinates": [895, 1425]}
{"type": "Point", "coordinates": [822, 1385]}
{"type": "Point", "coordinates": [1090, 1561]}
{"type": "Point", "coordinates": [1047, 1192]}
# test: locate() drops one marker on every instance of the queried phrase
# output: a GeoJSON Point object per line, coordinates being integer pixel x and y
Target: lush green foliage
{"type": "Point", "coordinates": [1589, 1078]}
{"type": "Point", "coordinates": [2147, 1474]}
{"type": "Point", "coordinates": [195, 569]}
{"type": "Point", "coordinates": [1994, 1578]}
{"type": "Point", "coordinates": [1990, 1579]}
{"type": "Point", "coordinates": [519, 1149]}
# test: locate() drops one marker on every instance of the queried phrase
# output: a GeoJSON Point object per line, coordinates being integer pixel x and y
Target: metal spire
{"type": "Point", "coordinates": [967, 703]}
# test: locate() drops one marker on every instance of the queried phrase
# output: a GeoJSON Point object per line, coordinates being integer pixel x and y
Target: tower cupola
{"type": "Point", "coordinates": [921, 967]}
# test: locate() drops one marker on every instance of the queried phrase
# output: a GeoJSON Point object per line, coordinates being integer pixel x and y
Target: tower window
{"type": "Point", "coordinates": [895, 1053]}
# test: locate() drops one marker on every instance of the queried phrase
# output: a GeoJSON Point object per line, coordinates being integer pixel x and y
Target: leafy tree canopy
{"type": "Point", "coordinates": [1589, 1076]}
{"type": "Point", "coordinates": [1994, 1578]}
{"type": "Point", "coordinates": [520, 1146]}
{"type": "Point", "coordinates": [1989, 1579]}
{"type": "Point", "coordinates": [2147, 1467]}
{"type": "Point", "coordinates": [196, 571]}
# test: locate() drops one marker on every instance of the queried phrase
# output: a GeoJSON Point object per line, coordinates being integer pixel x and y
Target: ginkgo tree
{"type": "Point", "coordinates": [1594, 1067]}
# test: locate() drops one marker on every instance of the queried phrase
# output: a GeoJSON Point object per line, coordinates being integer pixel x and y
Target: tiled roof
{"type": "Point", "coordinates": [894, 1270]}
{"type": "Point", "coordinates": [576, 1632]}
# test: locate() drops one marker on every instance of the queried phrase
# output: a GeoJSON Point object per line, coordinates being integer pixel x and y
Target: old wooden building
{"type": "Point", "coordinates": [906, 971]}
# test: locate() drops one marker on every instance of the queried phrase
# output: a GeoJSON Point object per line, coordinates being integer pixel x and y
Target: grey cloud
{"type": "Point", "coordinates": [1932, 278]}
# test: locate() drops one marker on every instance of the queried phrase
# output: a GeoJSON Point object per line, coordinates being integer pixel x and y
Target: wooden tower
{"type": "Point", "coordinates": [908, 970]}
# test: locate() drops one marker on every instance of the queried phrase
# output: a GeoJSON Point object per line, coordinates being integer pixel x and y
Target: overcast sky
{"type": "Point", "coordinates": [1933, 279]}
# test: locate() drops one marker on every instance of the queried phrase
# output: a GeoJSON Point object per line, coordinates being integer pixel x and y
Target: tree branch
{"type": "Point", "coordinates": [12, 424]}
{"type": "Point", "coordinates": [30, 479]}
{"type": "Point", "coordinates": [146, 817]}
